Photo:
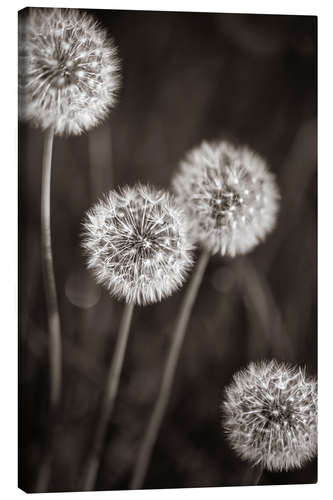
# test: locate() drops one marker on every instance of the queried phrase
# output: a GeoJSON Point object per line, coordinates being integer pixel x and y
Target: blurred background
{"type": "Point", "coordinates": [185, 77]}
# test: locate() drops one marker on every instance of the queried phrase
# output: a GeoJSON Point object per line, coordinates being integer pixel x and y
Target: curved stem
{"type": "Point", "coordinates": [55, 357]}
{"type": "Point", "coordinates": [252, 475]}
{"type": "Point", "coordinates": [110, 394]}
{"type": "Point", "coordinates": [53, 318]}
{"type": "Point", "coordinates": [169, 374]}
{"type": "Point", "coordinates": [258, 475]}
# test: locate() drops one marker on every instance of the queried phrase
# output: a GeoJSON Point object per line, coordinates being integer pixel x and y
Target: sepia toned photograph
{"type": "Point", "coordinates": [167, 257]}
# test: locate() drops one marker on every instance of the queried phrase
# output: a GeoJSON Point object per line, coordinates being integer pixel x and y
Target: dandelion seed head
{"type": "Point", "coordinates": [270, 415]}
{"type": "Point", "coordinates": [230, 196]}
{"type": "Point", "coordinates": [137, 245]}
{"type": "Point", "coordinates": [68, 70]}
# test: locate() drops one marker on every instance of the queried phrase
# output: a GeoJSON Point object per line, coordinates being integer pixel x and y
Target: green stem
{"type": "Point", "coordinates": [110, 394]}
{"type": "Point", "coordinates": [169, 374]}
{"type": "Point", "coordinates": [53, 318]}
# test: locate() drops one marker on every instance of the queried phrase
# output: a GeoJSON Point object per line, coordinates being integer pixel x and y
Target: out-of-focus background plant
{"type": "Point", "coordinates": [186, 77]}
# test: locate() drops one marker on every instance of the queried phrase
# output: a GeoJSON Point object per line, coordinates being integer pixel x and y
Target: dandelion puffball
{"type": "Point", "coordinates": [270, 415]}
{"type": "Point", "coordinates": [230, 196]}
{"type": "Point", "coordinates": [137, 245]}
{"type": "Point", "coordinates": [68, 70]}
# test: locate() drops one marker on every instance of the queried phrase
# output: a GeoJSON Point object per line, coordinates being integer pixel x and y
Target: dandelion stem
{"type": "Point", "coordinates": [110, 394]}
{"type": "Point", "coordinates": [53, 318]}
{"type": "Point", "coordinates": [258, 473]}
{"type": "Point", "coordinates": [48, 273]}
{"type": "Point", "coordinates": [252, 475]}
{"type": "Point", "coordinates": [169, 374]}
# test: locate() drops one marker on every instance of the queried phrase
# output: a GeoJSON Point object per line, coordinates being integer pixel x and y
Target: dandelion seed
{"type": "Point", "coordinates": [136, 243]}
{"type": "Point", "coordinates": [270, 415]}
{"type": "Point", "coordinates": [230, 196]}
{"type": "Point", "coordinates": [69, 70]}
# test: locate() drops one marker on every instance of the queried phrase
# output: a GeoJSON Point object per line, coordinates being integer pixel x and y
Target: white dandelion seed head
{"type": "Point", "coordinates": [137, 245]}
{"type": "Point", "coordinates": [230, 196]}
{"type": "Point", "coordinates": [68, 70]}
{"type": "Point", "coordinates": [270, 415]}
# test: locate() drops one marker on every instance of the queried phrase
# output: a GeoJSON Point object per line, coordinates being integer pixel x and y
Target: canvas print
{"type": "Point", "coordinates": [167, 249]}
